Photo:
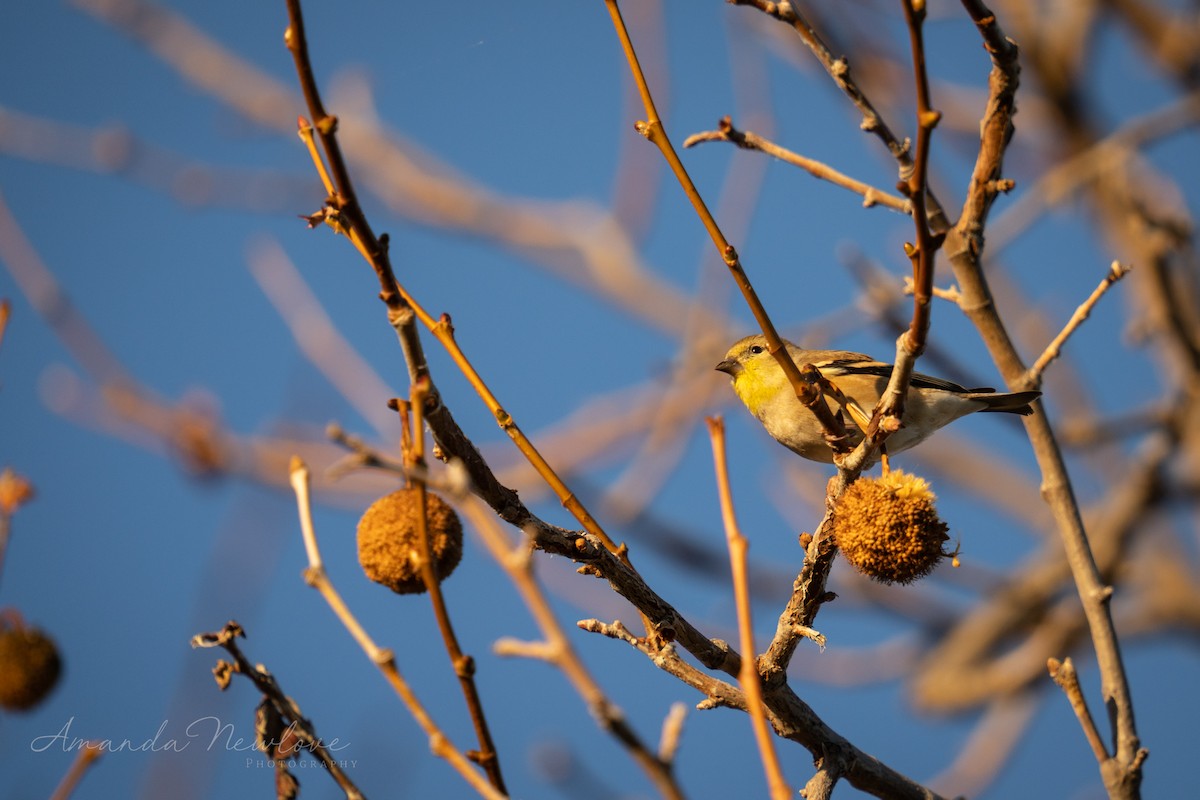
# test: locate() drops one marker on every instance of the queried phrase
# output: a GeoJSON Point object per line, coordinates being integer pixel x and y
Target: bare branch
{"type": "Point", "coordinates": [1063, 673]}
{"type": "Point", "coordinates": [284, 706]}
{"type": "Point", "coordinates": [748, 140]}
{"type": "Point", "coordinates": [1034, 376]}
{"type": "Point", "coordinates": [87, 755]}
{"type": "Point", "coordinates": [749, 678]}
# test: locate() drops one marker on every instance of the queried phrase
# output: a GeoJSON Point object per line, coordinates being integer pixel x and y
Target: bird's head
{"type": "Point", "coordinates": [756, 376]}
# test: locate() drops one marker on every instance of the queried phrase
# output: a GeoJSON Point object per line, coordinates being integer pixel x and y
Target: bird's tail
{"type": "Point", "coordinates": [1014, 403]}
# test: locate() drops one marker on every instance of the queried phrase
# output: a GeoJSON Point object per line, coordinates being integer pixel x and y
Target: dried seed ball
{"type": "Point", "coordinates": [388, 543]}
{"type": "Point", "coordinates": [888, 528]}
{"type": "Point", "coordinates": [29, 668]}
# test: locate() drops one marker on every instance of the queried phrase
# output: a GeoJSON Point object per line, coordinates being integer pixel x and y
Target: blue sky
{"type": "Point", "coordinates": [124, 555]}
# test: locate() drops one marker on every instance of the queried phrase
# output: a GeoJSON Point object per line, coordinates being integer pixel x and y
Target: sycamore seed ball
{"type": "Point", "coordinates": [888, 528]}
{"type": "Point", "coordinates": [29, 668]}
{"type": "Point", "coordinates": [388, 543]}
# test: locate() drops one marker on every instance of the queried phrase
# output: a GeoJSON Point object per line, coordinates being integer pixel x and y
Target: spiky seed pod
{"type": "Point", "coordinates": [388, 545]}
{"type": "Point", "coordinates": [888, 528]}
{"type": "Point", "coordinates": [29, 667]}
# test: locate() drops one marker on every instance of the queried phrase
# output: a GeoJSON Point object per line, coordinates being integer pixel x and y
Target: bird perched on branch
{"type": "Point", "coordinates": [931, 402]}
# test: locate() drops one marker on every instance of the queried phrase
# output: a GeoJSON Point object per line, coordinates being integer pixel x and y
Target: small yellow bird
{"type": "Point", "coordinates": [931, 403]}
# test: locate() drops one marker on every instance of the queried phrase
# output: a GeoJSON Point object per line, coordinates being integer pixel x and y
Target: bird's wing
{"type": "Point", "coordinates": [840, 363]}
{"type": "Point", "coordinates": [846, 364]}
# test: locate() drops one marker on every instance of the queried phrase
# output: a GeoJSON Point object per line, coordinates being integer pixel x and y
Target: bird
{"type": "Point", "coordinates": [931, 403]}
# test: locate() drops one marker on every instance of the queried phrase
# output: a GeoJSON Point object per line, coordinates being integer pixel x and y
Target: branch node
{"type": "Point", "coordinates": [812, 634]}
{"type": "Point", "coordinates": [312, 575]}
{"type": "Point", "coordinates": [464, 667]}
{"type": "Point", "coordinates": [327, 124]}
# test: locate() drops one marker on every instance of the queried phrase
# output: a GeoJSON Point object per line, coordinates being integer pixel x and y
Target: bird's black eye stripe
{"type": "Point", "coordinates": [755, 349]}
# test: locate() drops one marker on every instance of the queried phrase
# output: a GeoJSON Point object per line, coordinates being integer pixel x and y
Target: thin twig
{"type": "Point", "coordinates": [1063, 673]}
{"type": "Point", "coordinates": [952, 294]}
{"type": "Point", "coordinates": [87, 755]}
{"type": "Point", "coordinates": [285, 706]}
{"type": "Point", "coordinates": [889, 413]}
{"type": "Point", "coordinates": [364, 456]}
{"type": "Point", "coordinates": [464, 665]}
{"type": "Point", "coordinates": [747, 140]}
{"type": "Point", "coordinates": [917, 185]}
{"type": "Point", "coordinates": [305, 131]}
{"type": "Point", "coordinates": [383, 658]}
{"type": "Point", "coordinates": [1033, 377]}
{"type": "Point", "coordinates": [672, 731]}
{"type": "Point", "coordinates": [666, 657]}
{"type": "Point", "coordinates": [749, 678]}
{"type": "Point", "coordinates": [344, 199]}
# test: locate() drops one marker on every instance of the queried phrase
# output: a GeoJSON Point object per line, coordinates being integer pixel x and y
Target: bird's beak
{"type": "Point", "coordinates": [729, 367]}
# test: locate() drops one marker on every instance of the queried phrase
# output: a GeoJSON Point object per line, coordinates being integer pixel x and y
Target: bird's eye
{"type": "Point", "coordinates": [755, 349]}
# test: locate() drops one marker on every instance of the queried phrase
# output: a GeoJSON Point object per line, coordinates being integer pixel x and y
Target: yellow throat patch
{"type": "Point", "coordinates": [759, 383]}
